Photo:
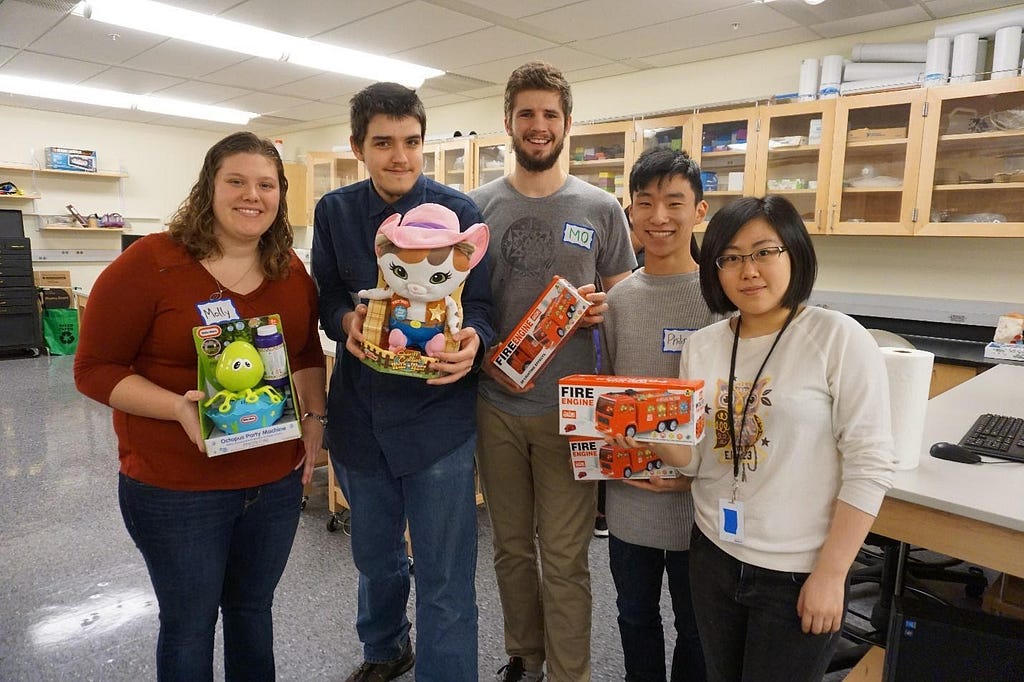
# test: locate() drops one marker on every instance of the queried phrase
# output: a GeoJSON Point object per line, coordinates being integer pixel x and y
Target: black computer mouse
{"type": "Point", "coordinates": [954, 453]}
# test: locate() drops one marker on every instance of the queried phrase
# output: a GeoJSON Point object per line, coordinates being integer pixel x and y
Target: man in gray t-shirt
{"type": "Point", "coordinates": [543, 223]}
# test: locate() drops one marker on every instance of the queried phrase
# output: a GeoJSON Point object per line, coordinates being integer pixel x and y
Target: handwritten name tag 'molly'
{"type": "Point", "coordinates": [672, 340]}
{"type": "Point", "coordinates": [578, 235]}
{"type": "Point", "coordinates": [213, 312]}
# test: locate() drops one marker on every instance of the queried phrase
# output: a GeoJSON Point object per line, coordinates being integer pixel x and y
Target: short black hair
{"type": "Point", "coordinates": [390, 99]}
{"type": "Point", "coordinates": [659, 164]}
{"type": "Point", "coordinates": [786, 221]}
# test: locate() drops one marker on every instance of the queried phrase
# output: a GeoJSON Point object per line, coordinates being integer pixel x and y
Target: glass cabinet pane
{"type": "Point", "coordinates": [490, 162]}
{"type": "Point", "coordinates": [453, 166]}
{"type": "Point", "coordinates": [597, 155]}
{"type": "Point", "coordinates": [725, 155]}
{"type": "Point", "coordinates": [429, 162]}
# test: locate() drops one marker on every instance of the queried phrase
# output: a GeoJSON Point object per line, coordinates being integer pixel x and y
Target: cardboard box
{"type": "Point", "coordinates": [63, 158]}
{"type": "Point", "coordinates": [861, 134]}
{"type": "Point", "coordinates": [52, 278]}
{"type": "Point", "coordinates": [552, 319]}
{"type": "Point", "coordinates": [56, 297]}
{"type": "Point", "coordinates": [735, 183]}
{"type": "Point", "coordinates": [594, 460]}
{"type": "Point", "coordinates": [255, 416]}
{"type": "Point", "coordinates": [648, 409]}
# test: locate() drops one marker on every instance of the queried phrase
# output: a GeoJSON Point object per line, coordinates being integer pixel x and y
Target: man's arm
{"type": "Point", "coordinates": [335, 300]}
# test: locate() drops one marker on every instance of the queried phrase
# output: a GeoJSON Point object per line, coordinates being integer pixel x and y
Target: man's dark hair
{"type": "Point", "coordinates": [660, 164]}
{"type": "Point", "coordinates": [787, 223]}
{"type": "Point", "coordinates": [391, 99]}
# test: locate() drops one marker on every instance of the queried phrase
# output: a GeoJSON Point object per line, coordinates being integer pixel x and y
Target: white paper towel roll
{"type": "Point", "coordinates": [808, 80]}
{"type": "Point", "coordinates": [910, 376]}
{"type": "Point", "coordinates": [965, 58]}
{"type": "Point", "coordinates": [1006, 53]}
{"type": "Point", "coordinates": [889, 52]}
{"type": "Point", "coordinates": [831, 76]}
{"type": "Point", "coordinates": [936, 68]}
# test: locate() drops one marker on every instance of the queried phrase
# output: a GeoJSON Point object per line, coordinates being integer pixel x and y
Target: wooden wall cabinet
{"type": "Point", "coordinates": [877, 148]}
{"type": "Point", "coordinates": [667, 132]}
{"type": "Point", "coordinates": [326, 171]}
{"type": "Point", "coordinates": [601, 154]}
{"type": "Point", "coordinates": [300, 214]}
{"type": "Point", "coordinates": [972, 162]}
{"type": "Point", "coordinates": [492, 158]}
{"type": "Point", "coordinates": [725, 142]}
{"type": "Point", "coordinates": [454, 164]}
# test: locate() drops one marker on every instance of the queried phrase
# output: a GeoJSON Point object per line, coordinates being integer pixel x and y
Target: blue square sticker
{"type": "Point", "coordinates": [730, 521]}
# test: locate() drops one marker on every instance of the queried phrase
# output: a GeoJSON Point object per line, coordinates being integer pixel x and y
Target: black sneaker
{"type": "Point", "coordinates": [600, 527]}
{"type": "Point", "coordinates": [515, 671]}
{"type": "Point", "coordinates": [388, 670]}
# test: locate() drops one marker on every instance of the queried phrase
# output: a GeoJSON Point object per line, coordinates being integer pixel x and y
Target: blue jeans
{"type": "Point", "coordinates": [214, 549]}
{"type": "Point", "coordinates": [637, 572]}
{"type": "Point", "coordinates": [440, 505]}
{"type": "Point", "coordinates": [748, 621]}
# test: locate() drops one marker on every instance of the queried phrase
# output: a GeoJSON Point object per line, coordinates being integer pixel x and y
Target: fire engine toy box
{"type": "Point", "coordinates": [243, 370]}
{"type": "Point", "coordinates": [62, 158]}
{"type": "Point", "coordinates": [595, 460]}
{"type": "Point", "coordinates": [648, 409]}
{"type": "Point", "coordinates": [536, 338]}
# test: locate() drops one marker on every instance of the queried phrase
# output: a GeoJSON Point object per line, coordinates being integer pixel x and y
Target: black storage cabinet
{"type": "Point", "coordinates": [20, 327]}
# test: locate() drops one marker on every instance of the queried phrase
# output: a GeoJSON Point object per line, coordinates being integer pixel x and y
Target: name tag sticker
{"type": "Point", "coordinates": [672, 339]}
{"type": "Point", "coordinates": [213, 312]}
{"type": "Point", "coordinates": [730, 521]}
{"type": "Point", "coordinates": [578, 235]}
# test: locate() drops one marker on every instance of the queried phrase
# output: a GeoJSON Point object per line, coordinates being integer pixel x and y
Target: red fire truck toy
{"type": "Point", "coordinates": [624, 462]}
{"type": "Point", "coordinates": [629, 412]}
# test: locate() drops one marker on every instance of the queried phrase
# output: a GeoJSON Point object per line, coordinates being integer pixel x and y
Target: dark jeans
{"type": "Point", "coordinates": [748, 621]}
{"type": "Point", "coordinates": [637, 572]}
{"type": "Point", "coordinates": [210, 549]}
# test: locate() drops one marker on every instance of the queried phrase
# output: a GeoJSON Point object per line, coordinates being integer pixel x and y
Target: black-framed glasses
{"type": "Point", "coordinates": [765, 256]}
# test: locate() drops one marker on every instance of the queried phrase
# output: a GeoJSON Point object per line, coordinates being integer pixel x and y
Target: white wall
{"type": "Point", "coordinates": [162, 164]}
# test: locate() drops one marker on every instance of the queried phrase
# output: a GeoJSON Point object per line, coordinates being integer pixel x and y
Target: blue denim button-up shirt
{"type": "Point", "coordinates": [379, 419]}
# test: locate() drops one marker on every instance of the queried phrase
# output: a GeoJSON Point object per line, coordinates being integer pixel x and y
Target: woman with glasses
{"type": "Point", "coordinates": [789, 478]}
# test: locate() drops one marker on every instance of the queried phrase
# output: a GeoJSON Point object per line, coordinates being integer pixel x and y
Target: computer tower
{"type": "Point", "coordinates": [11, 223]}
{"type": "Point", "coordinates": [933, 642]}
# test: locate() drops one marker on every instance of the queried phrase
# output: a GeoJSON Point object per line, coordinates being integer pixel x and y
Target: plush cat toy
{"type": "Point", "coordinates": [424, 260]}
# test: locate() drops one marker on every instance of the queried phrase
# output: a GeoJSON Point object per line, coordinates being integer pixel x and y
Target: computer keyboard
{"type": "Point", "coordinates": [996, 435]}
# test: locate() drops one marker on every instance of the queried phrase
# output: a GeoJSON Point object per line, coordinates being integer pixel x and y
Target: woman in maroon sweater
{"type": "Point", "coordinates": [215, 531]}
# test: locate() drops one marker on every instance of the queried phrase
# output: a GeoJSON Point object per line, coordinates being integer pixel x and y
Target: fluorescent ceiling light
{"type": "Point", "coordinates": [121, 100]}
{"type": "Point", "coordinates": [204, 29]}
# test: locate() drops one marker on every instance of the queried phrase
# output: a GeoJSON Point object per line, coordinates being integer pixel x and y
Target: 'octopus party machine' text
{"type": "Point", "coordinates": [244, 372]}
{"type": "Point", "coordinates": [645, 408]}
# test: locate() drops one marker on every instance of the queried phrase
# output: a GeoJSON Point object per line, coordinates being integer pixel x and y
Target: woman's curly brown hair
{"type": "Point", "coordinates": [193, 224]}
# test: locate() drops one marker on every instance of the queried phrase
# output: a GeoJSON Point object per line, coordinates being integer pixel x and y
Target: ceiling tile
{"type": "Point", "coordinates": [322, 86]}
{"type": "Point", "coordinates": [809, 15]}
{"type": "Point", "coordinates": [564, 58]}
{"type": "Point", "coordinates": [309, 111]}
{"type": "Point", "coordinates": [22, 23]}
{"type": "Point", "coordinates": [82, 38]}
{"type": "Point", "coordinates": [317, 16]}
{"type": "Point", "coordinates": [32, 65]}
{"type": "Point", "coordinates": [128, 80]}
{"type": "Point", "coordinates": [260, 74]}
{"type": "Point", "coordinates": [521, 8]}
{"type": "Point", "coordinates": [204, 6]}
{"type": "Point", "coordinates": [442, 99]}
{"type": "Point", "coordinates": [871, 22]}
{"type": "Point", "coordinates": [604, 71]}
{"type": "Point", "coordinates": [59, 106]}
{"type": "Point", "coordinates": [765, 41]}
{"type": "Point", "coordinates": [203, 93]}
{"type": "Point", "coordinates": [494, 42]}
{"type": "Point", "coordinates": [941, 9]}
{"type": "Point", "coordinates": [262, 102]}
{"type": "Point", "coordinates": [182, 58]}
{"type": "Point", "coordinates": [606, 17]}
{"type": "Point", "coordinates": [403, 28]}
{"type": "Point", "coordinates": [6, 53]}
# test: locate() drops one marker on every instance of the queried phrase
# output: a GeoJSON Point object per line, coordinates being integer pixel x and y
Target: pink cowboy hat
{"type": "Point", "coordinates": [430, 226]}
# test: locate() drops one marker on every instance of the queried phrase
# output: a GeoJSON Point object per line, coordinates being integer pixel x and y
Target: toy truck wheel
{"type": "Point", "coordinates": [630, 431]}
{"type": "Point", "coordinates": [673, 425]}
{"type": "Point", "coordinates": [650, 465]}
{"type": "Point", "coordinates": [571, 310]}
{"type": "Point", "coordinates": [662, 426]}
{"type": "Point", "coordinates": [560, 332]}
{"type": "Point", "coordinates": [627, 473]}
{"type": "Point", "coordinates": [658, 463]}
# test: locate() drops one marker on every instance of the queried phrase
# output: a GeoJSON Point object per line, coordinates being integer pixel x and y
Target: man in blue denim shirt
{"type": "Point", "coordinates": [405, 445]}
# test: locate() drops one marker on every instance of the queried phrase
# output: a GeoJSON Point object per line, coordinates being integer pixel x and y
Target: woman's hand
{"type": "Point", "coordinates": [820, 605]}
{"type": "Point", "coordinates": [187, 414]}
{"type": "Point", "coordinates": [312, 442]}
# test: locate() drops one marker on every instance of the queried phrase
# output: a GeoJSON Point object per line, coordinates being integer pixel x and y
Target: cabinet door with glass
{"type": "Point", "coordinates": [877, 147]}
{"type": "Point", "coordinates": [431, 154]}
{"type": "Point", "coordinates": [972, 163]}
{"type": "Point", "coordinates": [598, 153]}
{"type": "Point", "coordinates": [724, 144]}
{"type": "Point", "coordinates": [794, 152]}
{"type": "Point", "coordinates": [329, 170]}
{"type": "Point", "coordinates": [492, 158]}
{"type": "Point", "coordinates": [667, 132]}
{"type": "Point", "coordinates": [454, 164]}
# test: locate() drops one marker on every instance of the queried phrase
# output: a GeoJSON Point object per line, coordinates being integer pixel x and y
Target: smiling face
{"type": "Point", "coordinates": [538, 128]}
{"type": "Point", "coordinates": [757, 290]}
{"type": "Point", "coordinates": [663, 215]}
{"type": "Point", "coordinates": [246, 195]}
{"type": "Point", "coordinates": [393, 153]}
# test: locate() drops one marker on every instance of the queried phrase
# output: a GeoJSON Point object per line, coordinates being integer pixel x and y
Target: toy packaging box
{"type": "Point", "coordinates": [648, 409]}
{"type": "Point", "coordinates": [415, 311]}
{"type": "Point", "coordinates": [1008, 341]}
{"type": "Point", "coordinates": [595, 460]}
{"type": "Point", "coordinates": [535, 339]}
{"type": "Point", "coordinates": [62, 158]}
{"type": "Point", "coordinates": [244, 372]}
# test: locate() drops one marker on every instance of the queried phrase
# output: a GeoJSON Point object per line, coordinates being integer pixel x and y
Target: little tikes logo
{"type": "Point", "coordinates": [208, 332]}
{"type": "Point", "coordinates": [578, 235]}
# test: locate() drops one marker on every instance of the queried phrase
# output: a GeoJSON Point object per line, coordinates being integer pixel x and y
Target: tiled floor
{"type": "Point", "coordinates": [75, 600]}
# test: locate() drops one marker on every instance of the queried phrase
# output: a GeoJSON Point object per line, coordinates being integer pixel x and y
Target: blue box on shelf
{"type": "Point", "coordinates": [63, 158]}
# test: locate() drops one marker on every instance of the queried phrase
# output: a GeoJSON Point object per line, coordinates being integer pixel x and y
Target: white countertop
{"type": "Point", "coordinates": [993, 493]}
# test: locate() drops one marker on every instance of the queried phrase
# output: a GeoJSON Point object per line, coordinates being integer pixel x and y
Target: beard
{"type": "Point", "coordinates": [534, 164]}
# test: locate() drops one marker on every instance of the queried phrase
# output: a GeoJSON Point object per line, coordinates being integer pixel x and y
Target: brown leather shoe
{"type": "Point", "coordinates": [388, 670]}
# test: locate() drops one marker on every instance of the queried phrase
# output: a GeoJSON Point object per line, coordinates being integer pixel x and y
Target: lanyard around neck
{"type": "Point", "coordinates": [733, 436]}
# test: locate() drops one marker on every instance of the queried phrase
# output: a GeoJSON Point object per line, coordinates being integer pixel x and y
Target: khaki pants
{"type": "Point", "coordinates": [535, 504]}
